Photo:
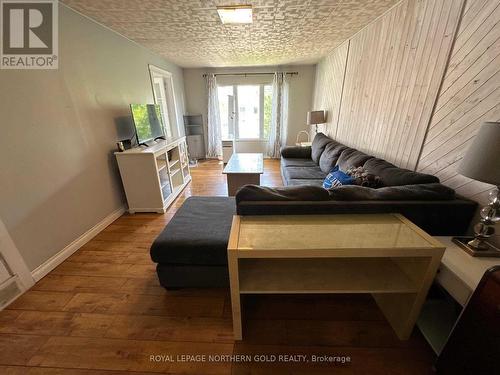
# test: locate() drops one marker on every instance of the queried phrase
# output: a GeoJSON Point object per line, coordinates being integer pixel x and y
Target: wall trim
{"type": "Point", "coordinates": [42, 270]}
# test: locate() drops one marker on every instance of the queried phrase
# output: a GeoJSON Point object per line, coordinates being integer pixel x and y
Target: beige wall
{"type": "Point", "coordinates": [58, 176]}
{"type": "Point", "coordinates": [421, 113]}
{"type": "Point", "coordinates": [300, 99]}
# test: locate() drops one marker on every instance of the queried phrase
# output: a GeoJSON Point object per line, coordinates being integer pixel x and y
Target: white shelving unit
{"type": "Point", "coordinates": [154, 176]}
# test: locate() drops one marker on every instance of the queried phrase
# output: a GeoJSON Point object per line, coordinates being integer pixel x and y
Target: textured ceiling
{"type": "Point", "coordinates": [190, 33]}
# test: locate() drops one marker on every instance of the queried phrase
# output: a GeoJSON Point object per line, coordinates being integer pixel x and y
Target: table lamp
{"type": "Point", "coordinates": [315, 118]}
{"type": "Point", "coordinates": [482, 163]}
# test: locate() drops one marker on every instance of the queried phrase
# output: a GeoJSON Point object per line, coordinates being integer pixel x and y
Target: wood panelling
{"type": "Point", "coordinates": [470, 95]}
{"type": "Point", "coordinates": [393, 74]}
{"type": "Point", "coordinates": [329, 83]}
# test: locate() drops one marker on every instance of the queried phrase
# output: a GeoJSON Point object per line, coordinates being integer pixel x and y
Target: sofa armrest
{"type": "Point", "coordinates": [296, 152]}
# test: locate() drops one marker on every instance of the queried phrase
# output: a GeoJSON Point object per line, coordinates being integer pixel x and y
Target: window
{"type": "Point", "coordinates": [163, 91]}
{"type": "Point", "coordinates": [161, 99]}
{"type": "Point", "coordinates": [245, 111]}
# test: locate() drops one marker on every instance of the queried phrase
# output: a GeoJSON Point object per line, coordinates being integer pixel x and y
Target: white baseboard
{"type": "Point", "coordinates": [42, 270]}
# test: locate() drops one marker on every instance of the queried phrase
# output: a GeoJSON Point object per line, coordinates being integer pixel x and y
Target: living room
{"type": "Point", "coordinates": [258, 187]}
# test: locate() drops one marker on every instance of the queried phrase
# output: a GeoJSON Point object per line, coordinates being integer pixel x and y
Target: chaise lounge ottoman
{"type": "Point", "coordinates": [192, 249]}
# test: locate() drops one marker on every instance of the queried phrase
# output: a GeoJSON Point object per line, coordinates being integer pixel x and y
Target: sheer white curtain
{"type": "Point", "coordinates": [213, 119]}
{"type": "Point", "coordinates": [279, 115]}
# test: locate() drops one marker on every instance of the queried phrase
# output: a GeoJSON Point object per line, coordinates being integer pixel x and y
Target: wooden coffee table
{"type": "Point", "coordinates": [385, 255]}
{"type": "Point", "coordinates": [243, 169]}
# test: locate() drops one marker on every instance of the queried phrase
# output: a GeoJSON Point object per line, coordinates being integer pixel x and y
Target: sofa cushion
{"type": "Point", "coordinates": [295, 193]}
{"type": "Point", "coordinates": [302, 182]}
{"type": "Point", "coordinates": [292, 162]}
{"type": "Point", "coordinates": [197, 234]}
{"type": "Point", "coordinates": [318, 146]}
{"type": "Point", "coordinates": [350, 158]}
{"type": "Point", "coordinates": [330, 156]}
{"type": "Point", "coordinates": [390, 175]}
{"type": "Point", "coordinates": [424, 192]}
{"type": "Point", "coordinates": [303, 173]}
{"type": "Point", "coordinates": [296, 152]}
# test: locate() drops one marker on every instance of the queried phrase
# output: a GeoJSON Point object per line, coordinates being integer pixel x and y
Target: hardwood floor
{"type": "Point", "coordinates": [102, 311]}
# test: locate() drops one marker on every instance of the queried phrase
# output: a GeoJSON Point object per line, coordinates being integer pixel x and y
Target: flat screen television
{"type": "Point", "coordinates": [147, 121]}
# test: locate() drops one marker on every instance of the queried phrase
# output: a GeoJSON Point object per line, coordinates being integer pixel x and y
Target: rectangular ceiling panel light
{"type": "Point", "coordinates": [235, 13]}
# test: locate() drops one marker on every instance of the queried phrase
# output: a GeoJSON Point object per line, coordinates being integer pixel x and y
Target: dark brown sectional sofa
{"type": "Point", "coordinates": [420, 197]}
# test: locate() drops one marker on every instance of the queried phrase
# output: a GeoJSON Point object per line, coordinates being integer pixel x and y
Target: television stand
{"type": "Point", "coordinates": [154, 175]}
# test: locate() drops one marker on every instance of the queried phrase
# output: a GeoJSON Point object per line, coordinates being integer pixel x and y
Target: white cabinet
{"type": "Point", "coordinates": [154, 176]}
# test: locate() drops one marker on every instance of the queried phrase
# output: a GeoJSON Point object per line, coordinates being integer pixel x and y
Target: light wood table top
{"type": "Point", "coordinates": [378, 231]}
{"type": "Point", "coordinates": [241, 163]}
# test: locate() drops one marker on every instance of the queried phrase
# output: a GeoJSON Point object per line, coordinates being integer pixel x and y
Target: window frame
{"type": "Point", "coordinates": [170, 119]}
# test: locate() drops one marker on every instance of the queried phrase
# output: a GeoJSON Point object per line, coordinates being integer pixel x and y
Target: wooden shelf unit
{"type": "Point", "coordinates": [385, 255]}
{"type": "Point", "coordinates": [151, 177]}
{"type": "Point", "coordinates": [330, 275]}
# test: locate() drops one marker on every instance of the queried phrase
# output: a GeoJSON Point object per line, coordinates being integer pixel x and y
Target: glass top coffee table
{"type": "Point", "coordinates": [243, 169]}
{"type": "Point", "coordinates": [385, 255]}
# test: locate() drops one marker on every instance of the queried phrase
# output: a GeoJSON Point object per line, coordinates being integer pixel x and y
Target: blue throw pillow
{"type": "Point", "coordinates": [337, 178]}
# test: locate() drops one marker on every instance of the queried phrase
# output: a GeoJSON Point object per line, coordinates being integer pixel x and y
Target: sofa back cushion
{"type": "Point", "coordinates": [318, 146]}
{"type": "Point", "coordinates": [390, 175]}
{"type": "Point", "coordinates": [289, 193]}
{"type": "Point", "coordinates": [419, 192]}
{"type": "Point", "coordinates": [329, 157]}
{"type": "Point", "coordinates": [352, 158]}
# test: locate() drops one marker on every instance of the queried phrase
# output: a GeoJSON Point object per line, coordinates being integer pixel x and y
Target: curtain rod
{"type": "Point", "coordinates": [249, 74]}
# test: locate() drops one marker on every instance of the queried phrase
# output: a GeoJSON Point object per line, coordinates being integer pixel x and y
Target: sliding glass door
{"type": "Point", "coordinates": [245, 111]}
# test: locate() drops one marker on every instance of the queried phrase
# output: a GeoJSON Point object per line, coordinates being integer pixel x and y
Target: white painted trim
{"type": "Point", "coordinates": [13, 280]}
{"type": "Point", "coordinates": [13, 259]}
{"type": "Point", "coordinates": [172, 109]}
{"type": "Point", "coordinates": [42, 270]}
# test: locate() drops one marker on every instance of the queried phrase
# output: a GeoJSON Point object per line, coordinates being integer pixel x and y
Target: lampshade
{"type": "Point", "coordinates": [315, 117]}
{"type": "Point", "coordinates": [482, 160]}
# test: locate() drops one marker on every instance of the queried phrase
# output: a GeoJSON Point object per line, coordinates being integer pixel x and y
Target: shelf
{"type": "Point", "coordinates": [173, 172]}
{"type": "Point", "coordinates": [166, 192]}
{"type": "Point", "coordinates": [164, 183]}
{"type": "Point", "coordinates": [172, 163]}
{"type": "Point", "coordinates": [346, 275]}
{"type": "Point", "coordinates": [161, 164]}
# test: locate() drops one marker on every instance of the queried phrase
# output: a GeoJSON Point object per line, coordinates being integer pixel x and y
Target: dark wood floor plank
{"type": "Point", "coordinates": [25, 370]}
{"type": "Point", "coordinates": [41, 301]}
{"type": "Point", "coordinates": [79, 284]}
{"type": "Point", "coordinates": [373, 361]}
{"type": "Point", "coordinates": [128, 355]}
{"type": "Point", "coordinates": [165, 305]}
{"type": "Point", "coordinates": [19, 349]}
{"type": "Point", "coordinates": [171, 329]}
{"type": "Point", "coordinates": [104, 269]}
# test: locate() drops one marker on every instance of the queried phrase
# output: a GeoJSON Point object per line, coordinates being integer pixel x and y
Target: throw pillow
{"type": "Point", "coordinates": [337, 178]}
{"type": "Point", "coordinates": [363, 178]}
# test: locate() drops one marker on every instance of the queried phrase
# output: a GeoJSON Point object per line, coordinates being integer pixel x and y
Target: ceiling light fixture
{"type": "Point", "coordinates": [235, 13]}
